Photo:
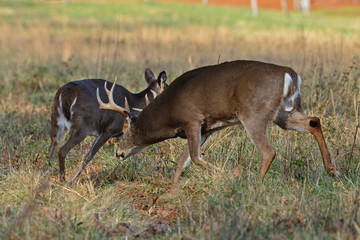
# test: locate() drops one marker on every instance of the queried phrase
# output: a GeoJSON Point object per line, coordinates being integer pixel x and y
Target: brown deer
{"type": "Point", "coordinates": [207, 99]}
{"type": "Point", "coordinates": [76, 109]}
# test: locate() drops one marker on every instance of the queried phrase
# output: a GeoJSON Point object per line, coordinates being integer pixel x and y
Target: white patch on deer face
{"type": "Point", "coordinates": [62, 121]}
{"type": "Point", "coordinates": [287, 103]}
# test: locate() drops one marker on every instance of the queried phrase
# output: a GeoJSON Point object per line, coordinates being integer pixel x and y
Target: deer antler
{"type": "Point", "coordinates": [137, 109]}
{"type": "Point", "coordinates": [111, 105]}
{"type": "Point", "coordinates": [147, 99]}
{"type": "Point", "coordinates": [154, 93]}
{"type": "Point", "coordinates": [161, 86]}
{"type": "Point", "coordinates": [127, 108]}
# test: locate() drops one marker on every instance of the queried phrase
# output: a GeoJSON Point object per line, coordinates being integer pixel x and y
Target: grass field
{"type": "Point", "coordinates": [45, 44]}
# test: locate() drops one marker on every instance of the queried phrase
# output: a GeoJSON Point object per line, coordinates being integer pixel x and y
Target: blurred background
{"type": "Point", "coordinates": [59, 41]}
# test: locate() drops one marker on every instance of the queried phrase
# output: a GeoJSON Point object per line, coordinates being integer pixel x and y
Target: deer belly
{"type": "Point", "coordinates": [221, 124]}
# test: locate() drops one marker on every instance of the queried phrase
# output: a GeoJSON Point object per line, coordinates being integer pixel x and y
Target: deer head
{"type": "Point", "coordinates": [130, 120]}
{"type": "Point", "coordinates": [130, 144]}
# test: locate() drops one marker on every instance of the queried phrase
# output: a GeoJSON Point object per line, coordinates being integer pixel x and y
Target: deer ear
{"type": "Point", "coordinates": [162, 77]}
{"type": "Point", "coordinates": [149, 76]}
{"type": "Point", "coordinates": [162, 81]}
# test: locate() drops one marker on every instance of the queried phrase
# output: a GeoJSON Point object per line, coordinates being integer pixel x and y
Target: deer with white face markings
{"type": "Point", "coordinates": [211, 98]}
{"type": "Point", "coordinates": [75, 108]}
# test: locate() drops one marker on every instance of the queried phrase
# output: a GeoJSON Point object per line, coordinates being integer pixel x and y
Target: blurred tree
{"type": "Point", "coordinates": [285, 7]}
{"type": "Point", "coordinates": [302, 5]}
{"type": "Point", "coordinates": [305, 6]}
{"type": "Point", "coordinates": [254, 8]}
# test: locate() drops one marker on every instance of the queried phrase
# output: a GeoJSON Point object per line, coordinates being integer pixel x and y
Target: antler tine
{"type": "Point", "coordinates": [127, 108]}
{"type": "Point", "coordinates": [111, 93]}
{"type": "Point", "coordinates": [153, 93]}
{"type": "Point", "coordinates": [161, 86]}
{"type": "Point", "coordinates": [137, 109]}
{"type": "Point", "coordinates": [147, 100]}
{"type": "Point", "coordinates": [111, 105]}
{"type": "Point", "coordinates": [112, 88]}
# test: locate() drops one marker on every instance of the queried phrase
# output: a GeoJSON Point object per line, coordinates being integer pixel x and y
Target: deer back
{"type": "Point", "coordinates": [247, 89]}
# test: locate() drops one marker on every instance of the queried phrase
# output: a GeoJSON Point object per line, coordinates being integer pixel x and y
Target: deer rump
{"type": "Point", "coordinates": [93, 121]}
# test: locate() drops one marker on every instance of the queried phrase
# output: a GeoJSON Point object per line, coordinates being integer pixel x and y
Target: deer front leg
{"type": "Point", "coordinates": [97, 144]}
{"type": "Point", "coordinates": [300, 122]}
{"type": "Point", "coordinates": [194, 141]}
{"type": "Point", "coordinates": [185, 160]}
{"type": "Point", "coordinates": [256, 129]}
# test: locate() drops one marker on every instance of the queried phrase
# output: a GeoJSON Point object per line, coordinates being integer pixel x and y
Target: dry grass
{"type": "Point", "coordinates": [136, 198]}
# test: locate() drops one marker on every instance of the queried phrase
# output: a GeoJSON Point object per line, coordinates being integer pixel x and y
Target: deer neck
{"type": "Point", "coordinates": [152, 125]}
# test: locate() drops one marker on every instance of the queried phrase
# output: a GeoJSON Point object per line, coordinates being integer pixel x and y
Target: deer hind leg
{"type": "Point", "coordinates": [98, 143]}
{"type": "Point", "coordinates": [185, 160]}
{"type": "Point", "coordinates": [257, 133]}
{"type": "Point", "coordinates": [76, 137]}
{"type": "Point", "coordinates": [52, 147]}
{"type": "Point", "coordinates": [57, 132]}
{"type": "Point", "coordinates": [300, 122]}
{"type": "Point", "coordinates": [194, 141]}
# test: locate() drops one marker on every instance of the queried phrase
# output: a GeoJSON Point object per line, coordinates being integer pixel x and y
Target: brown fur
{"type": "Point", "coordinates": [248, 91]}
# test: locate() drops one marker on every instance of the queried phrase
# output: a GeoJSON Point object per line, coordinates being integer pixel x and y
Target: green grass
{"type": "Point", "coordinates": [44, 45]}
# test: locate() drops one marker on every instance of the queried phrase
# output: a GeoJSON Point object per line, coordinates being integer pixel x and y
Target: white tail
{"type": "Point", "coordinates": [211, 98]}
{"type": "Point", "coordinates": [75, 108]}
